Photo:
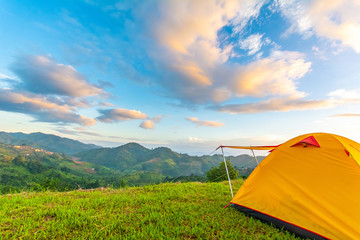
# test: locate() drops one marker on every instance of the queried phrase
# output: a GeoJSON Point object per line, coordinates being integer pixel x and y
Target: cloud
{"type": "Point", "coordinates": [120, 114]}
{"type": "Point", "coordinates": [157, 119]}
{"type": "Point", "coordinates": [7, 81]}
{"type": "Point", "coordinates": [336, 20]}
{"type": "Point", "coordinates": [44, 75]}
{"type": "Point", "coordinates": [296, 12]}
{"type": "Point", "coordinates": [41, 108]}
{"type": "Point", "coordinates": [148, 124]}
{"type": "Point", "coordinates": [48, 91]}
{"type": "Point", "coordinates": [204, 123]}
{"type": "Point", "coordinates": [183, 50]}
{"type": "Point", "coordinates": [4, 76]}
{"type": "Point", "coordinates": [346, 115]}
{"type": "Point", "coordinates": [78, 132]}
{"type": "Point", "coordinates": [274, 75]}
{"type": "Point", "coordinates": [185, 23]}
{"type": "Point", "coordinates": [337, 98]}
{"type": "Point", "coordinates": [105, 104]}
{"type": "Point", "coordinates": [321, 53]}
{"type": "Point", "coordinates": [252, 43]}
{"type": "Point", "coordinates": [195, 140]}
{"type": "Point", "coordinates": [195, 68]}
{"type": "Point", "coordinates": [184, 46]}
{"type": "Point", "coordinates": [345, 94]}
{"type": "Point", "coordinates": [104, 84]}
{"type": "Point", "coordinates": [275, 104]}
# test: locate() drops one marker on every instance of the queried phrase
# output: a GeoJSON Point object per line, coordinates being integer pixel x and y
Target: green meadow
{"type": "Point", "coordinates": [165, 211]}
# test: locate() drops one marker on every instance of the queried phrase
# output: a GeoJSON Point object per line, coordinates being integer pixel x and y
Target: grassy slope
{"type": "Point", "coordinates": [165, 211]}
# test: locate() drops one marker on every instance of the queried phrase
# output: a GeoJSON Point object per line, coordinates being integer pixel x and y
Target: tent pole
{"type": "Point", "coordinates": [232, 195]}
{"type": "Point", "coordinates": [254, 156]}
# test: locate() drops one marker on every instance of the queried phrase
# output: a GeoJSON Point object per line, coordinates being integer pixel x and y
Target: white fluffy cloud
{"type": "Point", "coordinates": [274, 75]}
{"type": "Point", "coordinates": [337, 20]}
{"type": "Point", "coordinates": [192, 61]}
{"type": "Point", "coordinates": [192, 65]}
{"type": "Point", "coordinates": [252, 43]}
{"type": "Point", "coordinates": [195, 68]}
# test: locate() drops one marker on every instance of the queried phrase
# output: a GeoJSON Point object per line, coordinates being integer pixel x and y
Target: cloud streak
{"type": "Point", "coordinates": [337, 98]}
{"type": "Point", "coordinates": [204, 123]}
{"type": "Point", "coordinates": [41, 108]}
{"type": "Point", "coordinates": [119, 114]}
{"type": "Point", "coordinates": [346, 115]}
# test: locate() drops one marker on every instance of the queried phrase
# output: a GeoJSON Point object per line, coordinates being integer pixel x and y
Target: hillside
{"type": "Point", "coordinates": [25, 167]}
{"type": "Point", "coordinates": [133, 157]}
{"type": "Point", "coordinates": [48, 142]}
{"type": "Point", "coordinates": [165, 211]}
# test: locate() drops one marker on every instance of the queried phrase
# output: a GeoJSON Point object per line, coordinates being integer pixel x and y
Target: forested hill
{"type": "Point", "coordinates": [28, 168]}
{"type": "Point", "coordinates": [45, 141]}
{"type": "Point", "coordinates": [133, 157]}
{"type": "Point", "coordinates": [129, 158]}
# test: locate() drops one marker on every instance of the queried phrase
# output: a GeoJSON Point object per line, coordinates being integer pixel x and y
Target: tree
{"type": "Point", "coordinates": [218, 174]}
{"type": "Point", "coordinates": [19, 160]}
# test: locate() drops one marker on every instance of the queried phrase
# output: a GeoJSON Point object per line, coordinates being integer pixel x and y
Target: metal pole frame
{"type": "Point", "coordinates": [257, 162]}
{"type": "Point", "coordinates": [227, 172]}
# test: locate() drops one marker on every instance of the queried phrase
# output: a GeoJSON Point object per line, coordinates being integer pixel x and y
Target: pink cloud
{"type": "Point", "coordinates": [336, 98]}
{"type": "Point", "coordinates": [41, 108]}
{"type": "Point", "coordinates": [148, 124]}
{"type": "Point", "coordinates": [120, 114]}
{"type": "Point", "coordinates": [274, 75]}
{"type": "Point", "coordinates": [204, 123]}
{"type": "Point", "coordinates": [44, 75]}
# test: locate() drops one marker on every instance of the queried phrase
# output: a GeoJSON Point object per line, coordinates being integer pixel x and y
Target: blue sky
{"type": "Point", "coordinates": [189, 75]}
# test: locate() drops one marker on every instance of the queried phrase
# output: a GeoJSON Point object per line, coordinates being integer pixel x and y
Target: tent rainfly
{"type": "Point", "coordinates": [309, 185]}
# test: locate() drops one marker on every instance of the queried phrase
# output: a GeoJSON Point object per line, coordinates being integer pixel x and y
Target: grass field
{"type": "Point", "coordinates": [165, 211]}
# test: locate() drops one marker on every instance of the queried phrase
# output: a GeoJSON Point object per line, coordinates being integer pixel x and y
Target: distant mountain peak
{"type": "Point", "coordinates": [163, 149]}
{"type": "Point", "coordinates": [132, 146]}
{"type": "Point", "coordinates": [48, 142]}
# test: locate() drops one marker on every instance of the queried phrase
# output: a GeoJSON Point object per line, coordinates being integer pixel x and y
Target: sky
{"type": "Point", "coordinates": [189, 75]}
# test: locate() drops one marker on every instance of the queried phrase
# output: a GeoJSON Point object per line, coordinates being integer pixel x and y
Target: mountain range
{"type": "Point", "coordinates": [129, 158]}
{"type": "Point", "coordinates": [47, 142]}
{"type": "Point", "coordinates": [133, 157]}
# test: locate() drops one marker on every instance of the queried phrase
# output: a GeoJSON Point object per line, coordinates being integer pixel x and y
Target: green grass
{"type": "Point", "coordinates": [165, 211]}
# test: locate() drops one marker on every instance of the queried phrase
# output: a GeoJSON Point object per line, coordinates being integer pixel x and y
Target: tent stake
{"type": "Point", "coordinates": [254, 156]}
{"type": "Point", "coordinates": [232, 195]}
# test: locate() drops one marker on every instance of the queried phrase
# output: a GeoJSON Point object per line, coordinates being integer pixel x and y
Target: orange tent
{"type": "Point", "coordinates": [309, 185]}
